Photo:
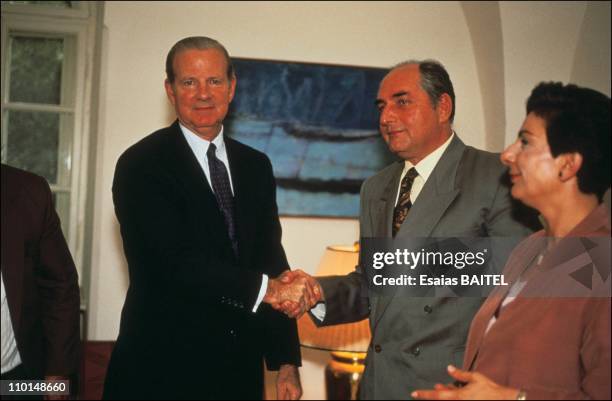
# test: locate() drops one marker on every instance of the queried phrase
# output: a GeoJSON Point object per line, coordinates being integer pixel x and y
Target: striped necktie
{"type": "Point", "coordinates": [223, 192]}
{"type": "Point", "coordinates": [403, 203]}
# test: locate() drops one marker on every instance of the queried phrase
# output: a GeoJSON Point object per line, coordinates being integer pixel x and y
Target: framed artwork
{"type": "Point", "coordinates": [318, 124]}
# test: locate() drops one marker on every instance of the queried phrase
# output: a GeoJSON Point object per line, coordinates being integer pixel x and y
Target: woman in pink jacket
{"type": "Point", "coordinates": [547, 334]}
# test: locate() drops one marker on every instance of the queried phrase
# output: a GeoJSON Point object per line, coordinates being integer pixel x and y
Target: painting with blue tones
{"type": "Point", "coordinates": [318, 125]}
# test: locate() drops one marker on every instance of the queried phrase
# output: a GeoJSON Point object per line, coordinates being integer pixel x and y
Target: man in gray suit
{"type": "Point", "coordinates": [440, 188]}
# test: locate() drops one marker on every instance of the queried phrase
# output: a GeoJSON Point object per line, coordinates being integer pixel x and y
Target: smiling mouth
{"type": "Point", "coordinates": [514, 177]}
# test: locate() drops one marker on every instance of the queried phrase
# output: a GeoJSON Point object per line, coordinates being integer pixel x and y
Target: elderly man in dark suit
{"type": "Point", "coordinates": [440, 188]}
{"type": "Point", "coordinates": [40, 290]}
{"type": "Point", "coordinates": [202, 239]}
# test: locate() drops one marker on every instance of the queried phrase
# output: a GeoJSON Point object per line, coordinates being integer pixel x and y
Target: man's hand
{"type": "Point", "coordinates": [315, 293]}
{"type": "Point", "coordinates": [288, 385]}
{"type": "Point", "coordinates": [293, 293]}
{"type": "Point", "coordinates": [477, 387]}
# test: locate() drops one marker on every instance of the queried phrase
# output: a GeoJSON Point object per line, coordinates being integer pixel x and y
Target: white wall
{"type": "Point", "coordinates": [132, 104]}
{"type": "Point", "coordinates": [591, 66]}
{"type": "Point", "coordinates": [540, 40]}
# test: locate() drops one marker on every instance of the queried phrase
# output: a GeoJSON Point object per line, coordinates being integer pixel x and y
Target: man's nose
{"type": "Point", "coordinates": [204, 91]}
{"type": "Point", "coordinates": [387, 116]}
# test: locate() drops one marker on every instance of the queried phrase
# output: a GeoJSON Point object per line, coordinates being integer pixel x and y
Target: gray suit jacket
{"type": "Point", "coordinates": [414, 339]}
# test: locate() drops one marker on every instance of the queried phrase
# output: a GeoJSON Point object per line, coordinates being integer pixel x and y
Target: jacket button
{"type": "Point", "coordinates": [427, 309]}
{"type": "Point", "coordinates": [377, 348]}
{"type": "Point", "coordinates": [416, 351]}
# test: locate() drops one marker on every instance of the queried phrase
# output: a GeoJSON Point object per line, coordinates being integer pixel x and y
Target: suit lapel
{"type": "Point", "coordinates": [436, 196]}
{"type": "Point", "coordinates": [241, 177]}
{"type": "Point", "coordinates": [427, 211]}
{"type": "Point", "coordinates": [478, 328]}
{"type": "Point", "coordinates": [382, 215]}
{"type": "Point", "coordinates": [183, 165]}
{"type": "Point", "coordinates": [521, 259]}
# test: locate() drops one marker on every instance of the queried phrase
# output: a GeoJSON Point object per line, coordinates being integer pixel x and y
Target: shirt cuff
{"type": "Point", "coordinates": [262, 292]}
{"type": "Point", "coordinates": [319, 311]}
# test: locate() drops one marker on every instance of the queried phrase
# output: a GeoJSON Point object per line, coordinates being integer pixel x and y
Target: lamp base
{"type": "Point", "coordinates": [343, 374]}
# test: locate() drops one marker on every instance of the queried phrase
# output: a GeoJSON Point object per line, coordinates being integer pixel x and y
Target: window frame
{"type": "Point", "coordinates": [81, 9]}
{"type": "Point", "coordinates": [79, 23]}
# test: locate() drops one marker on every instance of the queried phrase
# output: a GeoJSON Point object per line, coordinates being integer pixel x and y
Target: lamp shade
{"type": "Point", "coordinates": [349, 337]}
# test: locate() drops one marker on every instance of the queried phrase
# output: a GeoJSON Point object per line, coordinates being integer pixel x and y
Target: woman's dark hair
{"type": "Point", "coordinates": [577, 120]}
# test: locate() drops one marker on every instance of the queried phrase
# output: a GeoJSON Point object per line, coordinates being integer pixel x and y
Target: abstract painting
{"type": "Point", "coordinates": [318, 124]}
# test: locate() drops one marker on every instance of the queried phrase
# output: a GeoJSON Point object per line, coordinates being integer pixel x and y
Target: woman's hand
{"type": "Point", "coordinates": [477, 387]}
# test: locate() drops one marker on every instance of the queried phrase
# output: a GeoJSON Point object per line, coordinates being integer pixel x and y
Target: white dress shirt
{"type": "Point", "coordinates": [199, 147]}
{"type": "Point", "coordinates": [10, 354]}
{"type": "Point", "coordinates": [424, 169]}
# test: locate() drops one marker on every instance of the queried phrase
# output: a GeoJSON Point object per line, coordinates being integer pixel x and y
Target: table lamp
{"type": "Point", "coordinates": [349, 342]}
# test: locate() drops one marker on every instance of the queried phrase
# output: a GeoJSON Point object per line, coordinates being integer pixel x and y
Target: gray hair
{"type": "Point", "coordinates": [434, 80]}
{"type": "Point", "coordinates": [199, 43]}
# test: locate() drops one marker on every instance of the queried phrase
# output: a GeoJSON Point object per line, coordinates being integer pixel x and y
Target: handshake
{"type": "Point", "coordinates": [293, 293]}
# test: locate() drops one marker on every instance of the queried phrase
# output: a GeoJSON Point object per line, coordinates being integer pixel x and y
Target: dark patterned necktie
{"type": "Point", "coordinates": [403, 202]}
{"type": "Point", "coordinates": [223, 192]}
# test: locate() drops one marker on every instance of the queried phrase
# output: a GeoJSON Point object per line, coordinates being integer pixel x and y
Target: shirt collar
{"type": "Point", "coordinates": [195, 141]}
{"type": "Point", "coordinates": [426, 166]}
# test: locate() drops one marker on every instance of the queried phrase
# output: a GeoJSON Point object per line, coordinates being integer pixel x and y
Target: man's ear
{"type": "Point", "coordinates": [232, 88]}
{"type": "Point", "coordinates": [569, 165]}
{"type": "Point", "coordinates": [170, 91]}
{"type": "Point", "coordinates": [444, 108]}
